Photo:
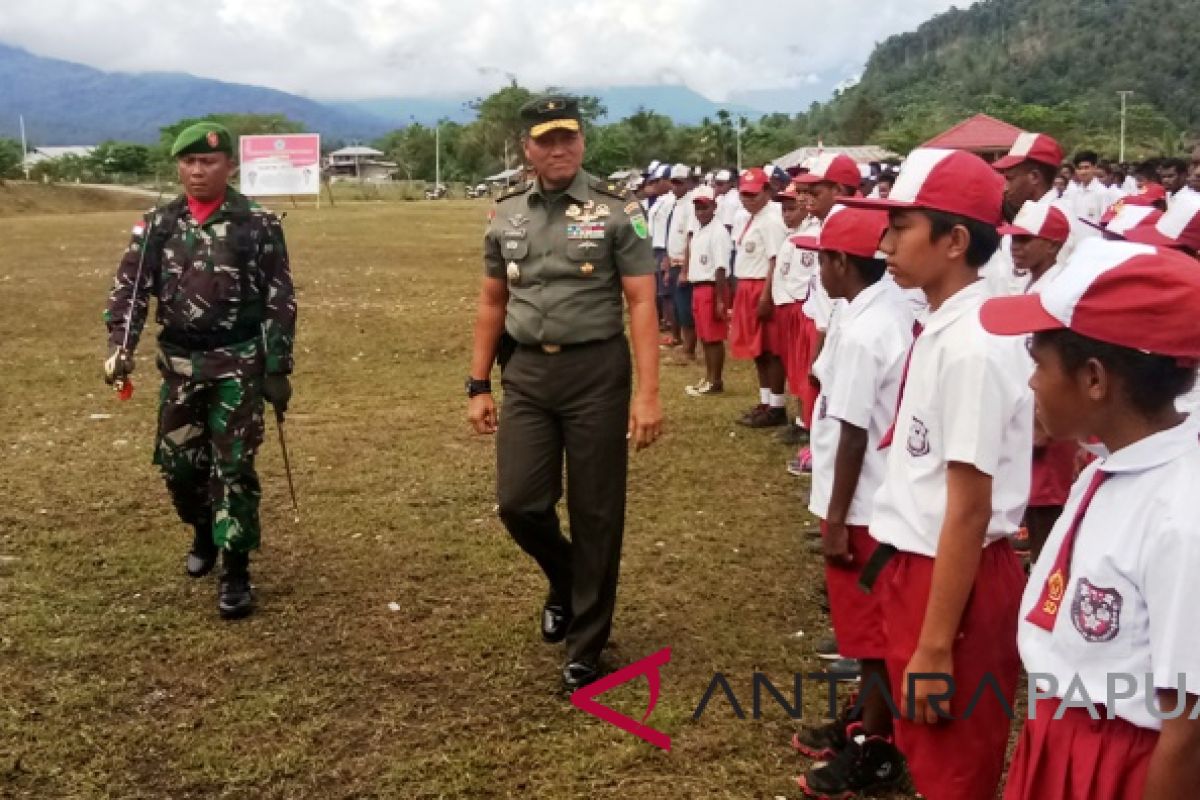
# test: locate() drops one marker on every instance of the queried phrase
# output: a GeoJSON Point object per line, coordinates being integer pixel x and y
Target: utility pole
{"type": "Point", "coordinates": [24, 148]}
{"type": "Point", "coordinates": [437, 156]}
{"type": "Point", "coordinates": [739, 145]}
{"type": "Point", "coordinates": [1124, 94]}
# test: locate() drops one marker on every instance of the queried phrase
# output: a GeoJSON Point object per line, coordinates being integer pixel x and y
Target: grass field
{"type": "Point", "coordinates": [119, 680]}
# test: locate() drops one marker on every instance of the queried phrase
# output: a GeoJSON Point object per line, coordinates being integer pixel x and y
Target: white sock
{"type": "Point", "coordinates": [764, 396]}
{"type": "Point", "coordinates": [777, 400]}
{"type": "Point", "coordinates": [800, 422]}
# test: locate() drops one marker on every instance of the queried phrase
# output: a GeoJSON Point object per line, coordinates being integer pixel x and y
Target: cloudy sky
{"type": "Point", "coordinates": [349, 49]}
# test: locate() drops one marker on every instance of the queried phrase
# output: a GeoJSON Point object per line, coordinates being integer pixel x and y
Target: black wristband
{"type": "Point", "coordinates": [476, 387]}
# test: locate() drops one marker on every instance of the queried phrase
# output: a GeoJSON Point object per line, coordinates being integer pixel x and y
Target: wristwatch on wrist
{"type": "Point", "coordinates": [477, 386]}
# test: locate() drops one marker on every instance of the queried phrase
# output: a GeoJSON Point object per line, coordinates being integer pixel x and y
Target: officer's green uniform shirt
{"type": "Point", "coordinates": [563, 257]}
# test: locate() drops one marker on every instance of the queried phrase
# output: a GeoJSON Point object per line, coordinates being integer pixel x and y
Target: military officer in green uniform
{"type": "Point", "coordinates": [217, 266]}
{"type": "Point", "coordinates": [559, 255]}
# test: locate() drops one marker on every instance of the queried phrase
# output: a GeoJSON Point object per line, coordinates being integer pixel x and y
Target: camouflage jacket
{"type": "Point", "coordinates": [222, 288]}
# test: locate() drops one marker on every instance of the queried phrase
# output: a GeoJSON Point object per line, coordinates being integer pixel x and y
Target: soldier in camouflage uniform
{"type": "Point", "coordinates": [217, 266]}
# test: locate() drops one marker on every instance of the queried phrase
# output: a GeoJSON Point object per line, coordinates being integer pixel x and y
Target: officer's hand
{"type": "Point", "coordinates": [645, 420]}
{"type": "Point", "coordinates": [118, 365]}
{"type": "Point", "coordinates": [481, 411]}
{"type": "Point", "coordinates": [277, 390]}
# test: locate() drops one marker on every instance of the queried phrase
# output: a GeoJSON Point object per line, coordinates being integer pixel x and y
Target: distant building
{"type": "Point", "coordinates": [37, 155]}
{"type": "Point", "coordinates": [862, 154]}
{"type": "Point", "coordinates": [982, 135]}
{"type": "Point", "coordinates": [359, 163]}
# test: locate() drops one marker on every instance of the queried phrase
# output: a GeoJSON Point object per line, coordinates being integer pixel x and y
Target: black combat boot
{"type": "Point", "coordinates": [234, 599]}
{"type": "Point", "coordinates": [203, 556]}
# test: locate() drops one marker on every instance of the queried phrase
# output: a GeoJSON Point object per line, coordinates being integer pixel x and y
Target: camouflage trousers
{"type": "Point", "coordinates": [208, 434]}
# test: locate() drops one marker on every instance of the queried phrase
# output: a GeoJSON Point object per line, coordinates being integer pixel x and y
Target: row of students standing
{"type": "Point", "coordinates": [923, 453]}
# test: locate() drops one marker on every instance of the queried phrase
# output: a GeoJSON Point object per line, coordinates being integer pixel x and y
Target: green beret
{"type": "Point", "coordinates": [203, 137]}
{"type": "Point", "coordinates": [551, 112]}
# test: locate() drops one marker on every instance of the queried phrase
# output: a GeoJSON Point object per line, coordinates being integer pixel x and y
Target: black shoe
{"type": "Point", "coordinates": [823, 742]}
{"type": "Point", "coordinates": [578, 674]}
{"type": "Point", "coordinates": [827, 649]}
{"type": "Point", "coordinates": [768, 418]}
{"type": "Point", "coordinates": [793, 435]}
{"type": "Point", "coordinates": [866, 763]}
{"type": "Point", "coordinates": [234, 598]}
{"type": "Point", "coordinates": [555, 621]}
{"type": "Point", "coordinates": [203, 556]}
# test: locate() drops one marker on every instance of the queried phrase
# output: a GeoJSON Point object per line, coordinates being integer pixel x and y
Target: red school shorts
{"type": "Point", "coordinates": [1079, 758]}
{"type": "Point", "coordinates": [857, 618]}
{"type": "Point", "coordinates": [704, 302]}
{"type": "Point", "coordinates": [960, 758]}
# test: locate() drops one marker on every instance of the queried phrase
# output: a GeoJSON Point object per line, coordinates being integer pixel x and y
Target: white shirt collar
{"type": "Point", "coordinates": [961, 302]}
{"type": "Point", "coordinates": [1154, 451]}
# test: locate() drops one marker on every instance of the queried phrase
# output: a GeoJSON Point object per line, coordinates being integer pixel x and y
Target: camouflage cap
{"type": "Point", "coordinates": [551, 112]}
{"type": "Point", "coordinates": [203, 137]}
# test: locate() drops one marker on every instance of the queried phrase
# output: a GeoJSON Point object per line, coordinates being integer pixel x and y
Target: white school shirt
{"type": "Point", "coordinates": [757, 241]}
{"type": "Point", "coordinates": [711, 248]}
{"type": "Point", "coordinates": [1089, 201]}
{"type": "Point", "coordinates": [794, 268]}
{"type": "Point", "coordinates": [660, 212]}
{"type": "Point", "coordinates": [678, 232]}
{"type": "Point", "coordinates": [966, 399]}
{"type": "Point", "coordinates": [1129, 605]}
{"type": "Point", "coordinates": [859, 370]}
{"type": "Point", "coordinates": [728, 206]}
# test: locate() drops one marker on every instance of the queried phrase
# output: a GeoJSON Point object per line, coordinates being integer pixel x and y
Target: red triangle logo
{"type": "Point", "coordinates": [584, 699]}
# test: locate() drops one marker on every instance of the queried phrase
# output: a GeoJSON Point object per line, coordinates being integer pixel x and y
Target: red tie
{"type": "Point", "coordinates": [886, 441]}
{"type": "Point", "coordinates": [1045, 612]}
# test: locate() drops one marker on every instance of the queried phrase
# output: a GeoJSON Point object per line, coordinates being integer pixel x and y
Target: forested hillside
{"type": "Point", "coordinates": [1053, 65]}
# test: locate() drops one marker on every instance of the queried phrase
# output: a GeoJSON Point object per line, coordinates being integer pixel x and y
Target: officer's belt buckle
{"type": "Point", "coordinates": [551, 349]}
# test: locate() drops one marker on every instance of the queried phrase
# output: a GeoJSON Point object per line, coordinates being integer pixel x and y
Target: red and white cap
{"type": "Point", "coordinates": [680, 172]}
{"type": "Point", "coordinates": [1041, 220]}
{"type": "Point", "coordinates": [704, 194]}
{"type": "Point", "coordinates": [854, 231]}
{"type": "Point", "coordinates": [832, 168]}
{"type": "Point", "coordinates": [1148, 196]}
{"type": "Point", "coordinates": [953, 181]}
{"type": "Point", "coordinates": [723, 176]}
{"type": "Point", "coordinates": [1179, 227]}
{"type": "Point", "coordinates": [1032, 147]}
{"type": "Point", "coordinates": [752, 181]}
{"type": "Point", "coordinates": [1123, 216]}
{"type": "Point", "coordinates": [1131, 295]}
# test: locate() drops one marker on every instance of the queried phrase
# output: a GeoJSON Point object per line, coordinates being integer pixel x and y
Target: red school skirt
{"type": "Point", "coordinates": [960, 758]}
{"type": "Point", "coordinates": [748, 338]}
{"type": "Point", "coordinates": [1079, 758]}
{"type": "Point", "coordinates": [801, 338]}
{"type": "Point", "coordinates": [857, 619]}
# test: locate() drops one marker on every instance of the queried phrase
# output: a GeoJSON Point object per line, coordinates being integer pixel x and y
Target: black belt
{"type": "Point", "coordinates": [555, 349]}
{"type": "Point", "coordinates": [874, 566]}
{"type": "Point", "coordinates": [209, 340]}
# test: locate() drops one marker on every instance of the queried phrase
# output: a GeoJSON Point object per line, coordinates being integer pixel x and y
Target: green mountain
{"type": "Point", "coordinates": [1051, 65]}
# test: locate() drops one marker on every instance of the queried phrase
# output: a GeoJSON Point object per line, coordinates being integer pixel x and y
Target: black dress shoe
{"type": "Point", "coordinates": [555, 621]}
{"type": "Point", "coordinates": [577, 674]}
{"type": "Point", "coordinates": [234, 597]}
{"type": "Point", "coordinates": [203, 556]}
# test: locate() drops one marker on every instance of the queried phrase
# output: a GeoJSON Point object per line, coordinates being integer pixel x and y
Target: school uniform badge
{"type": "Point", "coordinates": [1096, 612]}
{"type": "Point", "coordinates": [824, 407]}
{"type": "Point", "coordinates": [918, 439]}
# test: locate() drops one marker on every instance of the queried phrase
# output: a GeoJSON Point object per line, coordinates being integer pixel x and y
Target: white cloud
{"type": "Point", "coordinates": [378, 48]}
